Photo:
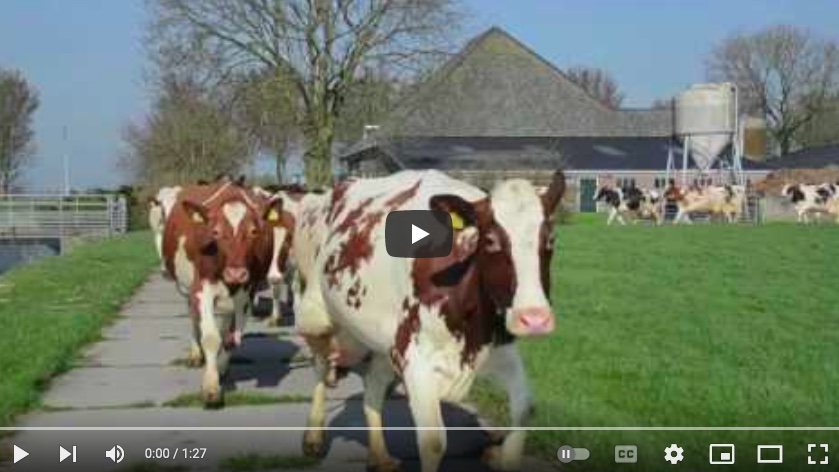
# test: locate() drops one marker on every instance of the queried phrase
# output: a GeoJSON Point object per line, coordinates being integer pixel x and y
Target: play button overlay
{"type": "Point", "coordinates": [19, 454]}
{"type": "Point", "coordinates": [418, 233]}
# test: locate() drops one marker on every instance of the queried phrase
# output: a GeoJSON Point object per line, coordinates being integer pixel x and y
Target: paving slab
{"type": "Point", "coordinates": [108, 387]}
{"type": "Point", "coordinates": [119, 353]}
{"type": "Point", "coordinates": [149, 330]}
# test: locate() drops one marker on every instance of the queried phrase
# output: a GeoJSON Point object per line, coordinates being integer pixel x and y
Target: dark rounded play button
{"type": "Point", "coordinates": [418, 233]}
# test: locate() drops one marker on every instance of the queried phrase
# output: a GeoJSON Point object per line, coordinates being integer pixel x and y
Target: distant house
{"type": "Point", "coordinates": [498, 109]}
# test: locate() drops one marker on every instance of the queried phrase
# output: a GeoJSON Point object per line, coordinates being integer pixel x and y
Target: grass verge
{"type": "Point", "coordinates": [708, 325]}
{"type": "Point", "coordinates": [53, 306]}
{"type": "Point", "coordinates": [235, 398]}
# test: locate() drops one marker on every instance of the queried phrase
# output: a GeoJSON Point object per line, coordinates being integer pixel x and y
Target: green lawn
{"type": "Point", "coordinates": [55, 305]}
{"type": "Point", "coordinates": [688, 326]}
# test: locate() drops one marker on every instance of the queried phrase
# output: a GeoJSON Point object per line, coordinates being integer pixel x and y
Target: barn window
{"type": "Point", "coordinates": [660, 182]}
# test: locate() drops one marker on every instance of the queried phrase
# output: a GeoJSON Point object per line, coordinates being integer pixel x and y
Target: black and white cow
{"type": "Point", "coordinates": [631, 201]}
{"type": "Point", "coordinates": [809, 199]}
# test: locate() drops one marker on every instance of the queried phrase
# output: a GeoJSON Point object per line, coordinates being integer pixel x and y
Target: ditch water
{"type": "Point", "coordinates": [14, 252]}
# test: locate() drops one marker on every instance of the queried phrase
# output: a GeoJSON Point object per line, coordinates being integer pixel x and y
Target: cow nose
{"type": "Point", "coordinates": [532, 321]}
{"type": "Point", "coordinates": [235, 275]}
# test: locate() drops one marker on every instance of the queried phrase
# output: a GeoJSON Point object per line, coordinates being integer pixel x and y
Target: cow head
{"type": "Point", "coordinates": [793, 191]}
{"type": "Point", "coordinates": [227, 230]}
{"type": "Point", "coordinates": [510, 236]}
{"type": "Point", "coordinates": [280, 223]}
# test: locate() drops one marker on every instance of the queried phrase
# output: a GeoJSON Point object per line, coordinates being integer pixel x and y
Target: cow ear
{"type": "Point", "coordinates": [273, 212]}
{"type": "Point", "coordinates": [197, 212]}
{"type": "Point", "coordinates": [463, 213]}
{"type": "Point", "coordinates": [553, 194]}
{"type": "Point", "coordinates": [241, 180]}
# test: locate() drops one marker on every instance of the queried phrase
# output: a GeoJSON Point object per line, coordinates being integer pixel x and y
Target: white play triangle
{"type": "Point", "coordinates": [19, 454]}
{"type": "Point", "coordinates": [417, 233]}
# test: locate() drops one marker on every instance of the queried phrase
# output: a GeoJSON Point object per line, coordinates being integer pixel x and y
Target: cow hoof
{"type": "Point", "coordinates": [213, 400]}
{"type": "Point", "coordinates": [313, 445]}
{"type": "Point", "coordinates": [386, 464]}
{"type": "Point", "coordinates": [194, 362]}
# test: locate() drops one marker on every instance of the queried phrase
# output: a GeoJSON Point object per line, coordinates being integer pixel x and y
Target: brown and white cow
{"type": "Point", "coordinates": [216, 244]}
{"type": "Point", "coordinates": [159, 208]}
{"type": "Point", "coordinates": [718, 200]}
{"type": "Point", "coordinates": [279, 276]}
{"type": "Point", "coordinates": [433, 322]}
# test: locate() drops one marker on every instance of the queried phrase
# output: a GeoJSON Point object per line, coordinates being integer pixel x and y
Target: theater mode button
{"type": "Point", "coordinates": [418, 233]}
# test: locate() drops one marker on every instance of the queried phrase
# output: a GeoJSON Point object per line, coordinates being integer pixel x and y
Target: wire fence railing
{"type": "Point", "coordinates": [60, 216]}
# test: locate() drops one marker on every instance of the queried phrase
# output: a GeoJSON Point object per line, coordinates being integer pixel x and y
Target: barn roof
{"type": "Point", "coordinates": [505, 153]}
{"type": "Point", "coordinates": [808, 158]}
{"type": "Point", "coordinates": [497, 86]}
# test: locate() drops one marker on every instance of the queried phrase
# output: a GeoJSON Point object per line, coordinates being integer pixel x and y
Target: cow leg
{"type": "Point", "coordinates": [158, 241]}
{"type": "Point", "coordinates": [276, 304]}
{"type": "Point", "coordinates": [377, 379]}
{"type": "Point", "coordinates": [242, 302]}
{"type": "Point", "coordinates": [505, 367]}
{"type": "Point", "coordinates": [210, 344]}
{"type": "Point", "coordinates": [612, 214]}
{"type": "Point", "coordinates": [313, 443]}
{"type": "Point", "coordinates": [195, 357]}
{"type": "Point", "coordinates": [425, 409]}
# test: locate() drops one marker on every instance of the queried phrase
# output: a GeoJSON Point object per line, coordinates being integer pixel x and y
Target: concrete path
{"type": "Point", "coordinates": [131, 378]}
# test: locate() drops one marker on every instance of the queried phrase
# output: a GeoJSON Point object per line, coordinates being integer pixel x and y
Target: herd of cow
{"type": "Point", "coordinates": [434, 324]}
{"type": "Point", "coordinates": [717, 201]}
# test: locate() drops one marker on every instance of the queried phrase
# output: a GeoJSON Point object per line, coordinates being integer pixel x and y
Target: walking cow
{"type": "Point", "coordinates": [433, 322]}
{"type": "Point", "coordinates": [217, 244]}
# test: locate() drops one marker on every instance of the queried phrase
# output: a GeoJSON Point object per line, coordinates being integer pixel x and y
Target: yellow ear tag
{"type": "Point", "coordinates": [457, 221]}
{"type": "Point", "coordinates": [273, 215]}
{"type": "Point", "coordinates": [196, 217]}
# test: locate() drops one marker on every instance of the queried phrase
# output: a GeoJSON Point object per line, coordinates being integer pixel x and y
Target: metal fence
{"type": "Point", "coordinates": [60, 216]}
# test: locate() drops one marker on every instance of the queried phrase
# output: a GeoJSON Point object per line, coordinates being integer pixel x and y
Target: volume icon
{"type": "Point", "coordinates": [115, 454]}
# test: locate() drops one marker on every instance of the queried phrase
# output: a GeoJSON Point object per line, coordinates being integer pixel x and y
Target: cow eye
{"type": "Point", "coordinates": [253, 231]}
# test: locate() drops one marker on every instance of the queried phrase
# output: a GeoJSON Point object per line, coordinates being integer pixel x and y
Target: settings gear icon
{"type": "Point", "coordinates": [673, 454]}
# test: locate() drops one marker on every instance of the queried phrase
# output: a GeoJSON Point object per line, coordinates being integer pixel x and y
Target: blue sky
{"type": "Point", "coordinates": [86, 60]}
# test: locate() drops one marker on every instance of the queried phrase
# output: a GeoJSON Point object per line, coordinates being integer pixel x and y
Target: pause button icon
{"type": "Point", "coordinates": [566, 454]}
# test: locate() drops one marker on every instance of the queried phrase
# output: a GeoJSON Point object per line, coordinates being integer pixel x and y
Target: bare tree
{"type": "Point", "coordinates": [823, 129]}
{"type": "Point", "coordinates": [18, 102]}
{"type": "Point", "coordinates": [187, 136]}
{"type": "Point", "coordinates": [266, 105]}
{"type": "Point", "coordinates": [598, 83]}
{"type": "Point", "coordinates": [320, 45]}
{"type": "Point", "coordinates": [783, 73]}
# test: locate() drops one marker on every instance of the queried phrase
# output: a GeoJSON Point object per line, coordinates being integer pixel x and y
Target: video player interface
{"type": "Point", "coordinates": [419, 235]}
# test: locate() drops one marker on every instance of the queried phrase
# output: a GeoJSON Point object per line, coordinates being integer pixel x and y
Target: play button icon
{"type": "Point", "coordinates": [418, 233]}
{"type": "Point", "coordinates": [18, 454]}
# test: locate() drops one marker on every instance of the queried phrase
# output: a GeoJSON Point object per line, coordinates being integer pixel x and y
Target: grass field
{"type": "Point", "coordinates": [53, 306]}
{"type": "Point", "coordinates": [688, 327]}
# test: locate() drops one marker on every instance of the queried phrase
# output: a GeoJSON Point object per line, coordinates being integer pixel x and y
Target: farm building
{"type": "Point", "coordinates": [814, 165]}
{"type": "Point", "coordinates": [498, 109]}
